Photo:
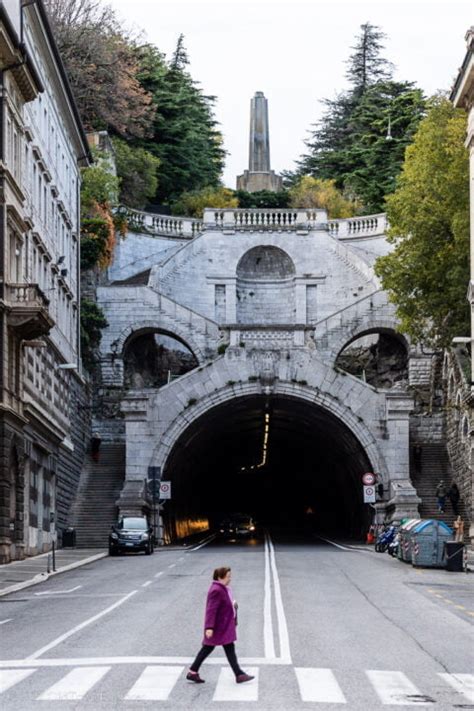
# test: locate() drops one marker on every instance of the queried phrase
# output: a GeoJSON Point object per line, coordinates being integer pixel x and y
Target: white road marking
{"type": "Point", "coordinates": [77, 628]}
{"type": "Point", "coordinates": [158, 574]}
{"type": "Point", "coordinates": [463, 683]}
{"type": "Point", "coordinates": [319, 685]}
{"type": "Point", "coordinates": [172, 565]}
{"type": "Point", "coordinates": [31, 663]}
{"type": "Point", "coordinates": [269, 645]}
{"type": "Point", "coordinates": [154, 684]}
{"type": "Point", "coordinates": [4, 622]}
{"type": "Point", "coordinates": [148, 582]}
{"type": "Point", "coordinates": [10, 677]}
{"type": "Point", "coordinates": [228, 690]}
{"type": "Point", "coordinates": [204, 543]}
{"type": "Point", "coordinates": [59, 592]}
{"type": "Point", "coordinates": [395, 688]}
{"type": "Point", "coordinates": [337, 545]}
{"type": "Point", "coordinates": [282, 626]}
{"type": "Point", "coordinates": [75, 684]}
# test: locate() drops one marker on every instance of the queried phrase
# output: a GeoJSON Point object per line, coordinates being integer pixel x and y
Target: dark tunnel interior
{"type": "Point", "coordinates": [283, 460]}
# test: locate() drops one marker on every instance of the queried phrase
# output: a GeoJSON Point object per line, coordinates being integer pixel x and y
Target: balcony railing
{"type": "Point", "coordinates": [353, 227]}
{"type": "Point", "coordinates": [26, 295]}
{"type": "Point", "coordinates": [28, 311]}
{"type": "Point", "coordinates": [166, 225]}
{"type": "Point", "coordinates": [261, 219]}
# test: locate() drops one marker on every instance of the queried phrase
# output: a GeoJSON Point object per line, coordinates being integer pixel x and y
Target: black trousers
{"type": "Point", "coordinates": [206, 650]}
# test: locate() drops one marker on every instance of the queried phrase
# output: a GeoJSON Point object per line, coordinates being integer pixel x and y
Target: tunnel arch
{"type": "Point", "coordinates": [208, 440]}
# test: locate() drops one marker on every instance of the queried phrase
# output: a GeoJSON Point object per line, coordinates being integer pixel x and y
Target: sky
{"type": "Point", "coordinates": [295, 52]}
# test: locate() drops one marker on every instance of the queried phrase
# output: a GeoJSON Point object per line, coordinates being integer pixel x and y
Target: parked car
{"type": "Point", "coordinates": [238, 526]}
{"type": "Point", "coordinates": [131, 533]}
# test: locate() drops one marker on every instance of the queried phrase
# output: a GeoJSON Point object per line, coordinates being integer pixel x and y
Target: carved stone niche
{"type": "Point", "coordinates": [266, 366]}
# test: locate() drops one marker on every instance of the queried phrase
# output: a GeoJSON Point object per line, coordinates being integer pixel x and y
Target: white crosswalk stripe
{"type": "Point", "coordinates": [463, 683]}
{"type": "Point", "coordinates": [228, 690]}
{"type": "Point", "coordinates": [319, 685]}
{"type": "Point", "coordinates": [396, 689]}
{"type": "Point", "coordinates": [10, 677]}
{"type": "Point", "coordinates": [75, 684]}
{"type": "Point", "coordinates": [155, 683]}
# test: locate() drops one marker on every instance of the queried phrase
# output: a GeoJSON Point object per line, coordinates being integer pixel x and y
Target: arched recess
{"type": "Point", "coordinates": [149, 325]}
{"type": "Point", "coordinates": [378, 356]}
{"type": "Point", "coordinates": [152, 358]}
{"type": "Point", "coordinates": [265, 286]}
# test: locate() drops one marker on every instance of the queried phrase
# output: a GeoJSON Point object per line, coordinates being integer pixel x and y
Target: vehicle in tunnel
{"type": "Point", "coordinates": [238, 526]}
{"type": "Point", "coordinates": [274, 456]}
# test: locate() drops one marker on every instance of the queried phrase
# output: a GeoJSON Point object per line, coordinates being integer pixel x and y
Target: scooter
{"type": "Point", "coordinates": [392, 548]}
{"type": "Point", "coordinates": [385, 539]}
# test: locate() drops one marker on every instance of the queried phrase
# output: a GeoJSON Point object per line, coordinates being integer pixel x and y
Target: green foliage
{"type": "Point", "coordinates": [193, 203]}
{"type": "Point", "coordinates": [262, 199]}
{"type": "Point", "coordinates": [137, 171]}
{"type": "Point", "coordinates": [98, 186]}
{"type": "Point", "coordinates": [94, 241]}
{"type": "Point", "coordinates": [314, 193]}
{"type": "Point", "coordinates": [427, 274]}
{"type": "Point", "coordinates": [184, 135]}
{"type": "Point", "coordinates": [93, 322]}
{"type": "Point", "coordinates": [351, 143]}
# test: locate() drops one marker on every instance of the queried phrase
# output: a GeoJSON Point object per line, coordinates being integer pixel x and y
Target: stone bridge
{"type": "Point", "coordinates": [223, 347]}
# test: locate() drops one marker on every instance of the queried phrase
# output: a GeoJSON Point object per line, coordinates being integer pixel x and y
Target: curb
{"type": "Point", "coordinates": [41, 577]}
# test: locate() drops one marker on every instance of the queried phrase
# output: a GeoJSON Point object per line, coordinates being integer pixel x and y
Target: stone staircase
{"type": "Point", "coordinates": [95, 508]}
{"type": "Point", "coordinates": [433, 466]}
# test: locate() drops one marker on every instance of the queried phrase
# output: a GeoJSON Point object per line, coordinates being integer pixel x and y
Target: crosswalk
{"type": "Point", "coordinates": [315, 685]}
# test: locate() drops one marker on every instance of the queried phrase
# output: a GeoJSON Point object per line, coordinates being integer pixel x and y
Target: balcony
{"type": "Point", "coordinates": [27, 309]}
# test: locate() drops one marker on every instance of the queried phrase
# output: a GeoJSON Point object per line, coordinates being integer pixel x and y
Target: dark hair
{"type": "Point", "coordinates": [220, 573]}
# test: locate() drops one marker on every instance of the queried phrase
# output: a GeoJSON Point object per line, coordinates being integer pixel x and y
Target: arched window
{"type": "Point", "coordinates": [266, 287]}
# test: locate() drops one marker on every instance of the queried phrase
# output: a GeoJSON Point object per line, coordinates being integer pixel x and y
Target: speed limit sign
{"type": "Point", "coordinates": [368, 479]}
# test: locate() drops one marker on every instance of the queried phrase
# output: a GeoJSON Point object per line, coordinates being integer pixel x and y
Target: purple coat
{"type": "Point", "coordinates": [220, 615]}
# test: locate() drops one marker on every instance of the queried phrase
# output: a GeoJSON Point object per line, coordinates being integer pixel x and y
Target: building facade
{"type": "Point", "coordinates": [42, 148]}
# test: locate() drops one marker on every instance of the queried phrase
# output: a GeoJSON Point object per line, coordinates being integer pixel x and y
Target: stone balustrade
{"type": "Point", "coordinates": [26, 294]}
{"type": "Point", "coordinates": [353, 227]}
{"type": "Point", "coordinates": [167, 225]}
{"type": "Point", "coordinates": [232, 219]}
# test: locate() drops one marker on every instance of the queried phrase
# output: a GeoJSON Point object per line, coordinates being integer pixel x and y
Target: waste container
{"type": "Point", "coordinates": [454, 556]}
{"type": "Point", "coordinates": [428, 540]}
{"type": "Point", "coordinates": [404, 535]}
{"type": "Point", "coordinates": [69, 537]}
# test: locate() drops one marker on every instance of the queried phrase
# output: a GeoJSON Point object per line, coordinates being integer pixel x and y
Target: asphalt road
{"type": "Point", "coordinates": [319, 626]}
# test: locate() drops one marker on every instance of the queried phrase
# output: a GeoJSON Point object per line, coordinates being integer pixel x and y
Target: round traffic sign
{"type": "Point", "coordinates": [368, 479]}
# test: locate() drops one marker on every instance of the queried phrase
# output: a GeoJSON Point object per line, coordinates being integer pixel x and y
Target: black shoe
{"type": "Point", "coordinates": [194, 676]}
{"type": "Point", "coordinates": [241, 678]}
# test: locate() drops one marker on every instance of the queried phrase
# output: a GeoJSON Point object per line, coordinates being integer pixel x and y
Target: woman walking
{"type": "Point", "coordinates": [219, 627]}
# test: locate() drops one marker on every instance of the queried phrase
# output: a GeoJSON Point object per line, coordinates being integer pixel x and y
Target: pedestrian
{"type": "Point", "coordinates": [219, 627]}
{"type": "Point", "coordinates": [441, 493]}
{"type": "Point", "coordinates": [454, 496]}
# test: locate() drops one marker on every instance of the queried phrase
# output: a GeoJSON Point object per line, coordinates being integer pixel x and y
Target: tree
{"type": "Point", "coordinates": [137, 171]}
{"type": "Point", "coordinates": [193, 203]}
{"type": "Point", "coordinates": [427, 273]}
{"type": "Point", "coordinates": [349, 144]}
{"type": "Point", "coordinates": [102, 66]}
{"type": "Point", "coordinates": [314, 193]}
{"type": "Point", "coordinates": [263, 199]}
{"type": "Point", "coordinates": [185, 136]}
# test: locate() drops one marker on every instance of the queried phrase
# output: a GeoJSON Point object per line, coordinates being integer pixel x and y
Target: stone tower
{"type": "Point", "coordinates": [259, 176]}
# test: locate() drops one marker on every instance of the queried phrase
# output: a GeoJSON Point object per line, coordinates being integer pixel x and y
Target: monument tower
{"type": "Point", "coordinates": [259, 176]}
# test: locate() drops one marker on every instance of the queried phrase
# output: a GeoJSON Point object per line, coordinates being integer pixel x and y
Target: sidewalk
{"type": "Point", "coordinates": [31, 571]}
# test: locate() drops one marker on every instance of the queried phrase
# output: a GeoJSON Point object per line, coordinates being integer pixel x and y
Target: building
{"type": "Point", "coordinates": [42, 146]}
{"type": "Point", "coordinates": [460, 392]}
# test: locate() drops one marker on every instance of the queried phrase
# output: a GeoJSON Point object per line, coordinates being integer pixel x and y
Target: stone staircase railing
{"type": "Point", "coordinates": [353, 227]}
{"type": "Point", "coordinates": [187, 317]}
{"type": "Point", "coordinates": [167, 225]}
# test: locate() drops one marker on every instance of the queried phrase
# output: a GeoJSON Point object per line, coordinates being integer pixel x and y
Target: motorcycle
{"type": "Point", "coordinates": [392, 548]}
{"type": "Point", "coordinates": [385, 538]}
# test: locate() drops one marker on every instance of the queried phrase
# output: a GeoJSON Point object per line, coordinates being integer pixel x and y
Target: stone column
{"type": "Point", "coordinates": [259, 147]}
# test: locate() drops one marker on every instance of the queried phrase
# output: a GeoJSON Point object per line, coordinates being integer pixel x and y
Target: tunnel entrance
{"type": "Point", "coordinates": [284, 460]}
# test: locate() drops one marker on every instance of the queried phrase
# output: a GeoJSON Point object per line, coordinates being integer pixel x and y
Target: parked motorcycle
{"type": "Point", "coordinates": [392, 548]}
{"type": "Point", "coordinates": [385, 538]}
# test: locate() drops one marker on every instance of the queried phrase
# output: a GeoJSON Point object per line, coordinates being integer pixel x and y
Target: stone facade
{"type": "Point", "coordinates": [266, 300]}
{"type": "Point", "coordinates": [41, 144]}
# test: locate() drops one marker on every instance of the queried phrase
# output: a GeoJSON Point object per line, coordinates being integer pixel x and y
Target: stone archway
{"type": "Point", "coordinates": [265, 286]}
{"type": "Point", "coordinates": [154, 358]}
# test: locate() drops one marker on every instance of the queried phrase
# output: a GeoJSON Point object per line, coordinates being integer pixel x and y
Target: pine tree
{"type": "Point", "coordinates": [366, 66]}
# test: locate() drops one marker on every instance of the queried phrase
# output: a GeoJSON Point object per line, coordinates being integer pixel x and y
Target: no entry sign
{"type": "Point", "coordinates": [368, 479]}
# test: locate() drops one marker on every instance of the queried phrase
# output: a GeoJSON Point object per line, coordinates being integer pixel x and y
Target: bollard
{"type": "Point", "coordinates": [54, 557]}
{"type": "Point", "coordinates": [48, 564]}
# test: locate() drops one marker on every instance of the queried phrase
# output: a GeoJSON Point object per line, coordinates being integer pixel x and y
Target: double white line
{"type": "Point", "coordinates": [271, 576]}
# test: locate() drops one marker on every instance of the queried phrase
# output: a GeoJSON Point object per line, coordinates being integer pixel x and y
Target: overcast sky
{"type": "Point", "coordinates": [295, 51]}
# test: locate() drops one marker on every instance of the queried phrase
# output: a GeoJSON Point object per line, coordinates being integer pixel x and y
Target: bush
{"type": "Point", "coordinates": [93, 322]}
{"type": "Point", "coordinates": [137, 170]}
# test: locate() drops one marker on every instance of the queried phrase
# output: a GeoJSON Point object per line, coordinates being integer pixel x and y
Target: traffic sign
{"type": "Point", "coordinates": [165, 490]}
{"type": "Point", "coordinates": [369, 494]}
{"type": "Point", "coordinates": [368, 479]}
